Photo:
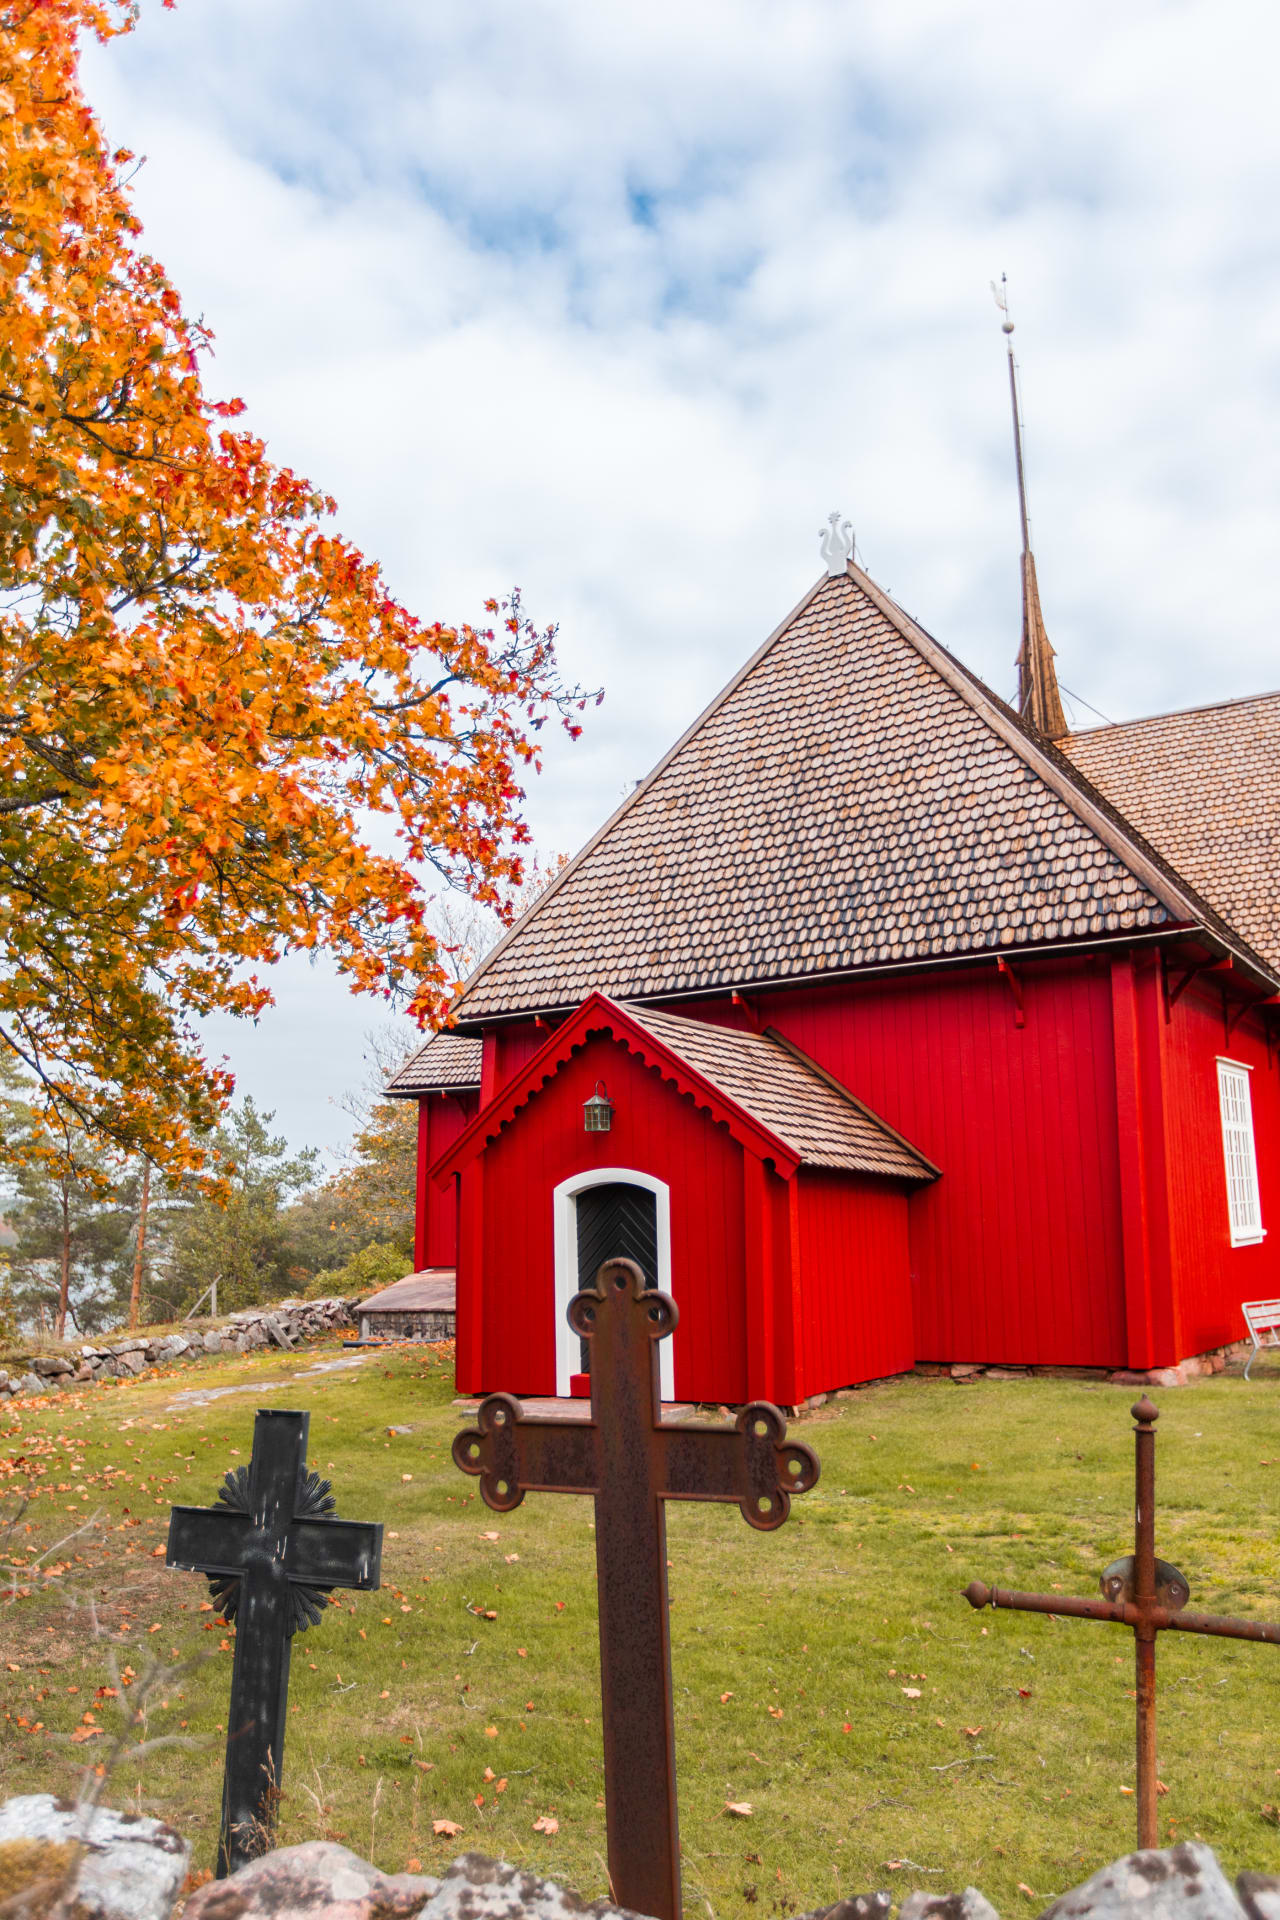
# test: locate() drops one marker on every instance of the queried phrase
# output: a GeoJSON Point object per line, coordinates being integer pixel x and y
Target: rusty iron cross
{"type": "Point", "coordinates": [272, 1551]}
{"type": "Point", "coordinates": [633, 1462]}
{"type": "Point", "coordinates": [1144, 1594]}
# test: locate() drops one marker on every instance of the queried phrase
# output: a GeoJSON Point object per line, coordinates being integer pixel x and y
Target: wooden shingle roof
{"type": "Point", "coordinates": [434, 1290]}
{"type": "Point", "coordinates": [787, 1093]}
{"type": "Point", "coordinates": [446, 1063]}
{"type": "Point", "coordinates": [854, 798]}
{"type": "Point", "coordinates": [1204, 787]}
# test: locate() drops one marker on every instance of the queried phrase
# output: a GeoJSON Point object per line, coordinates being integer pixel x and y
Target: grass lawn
{"type": "Point", "coordinates": [829, 1675]}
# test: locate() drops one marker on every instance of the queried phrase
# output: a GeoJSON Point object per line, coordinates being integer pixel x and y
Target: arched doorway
{"type": "Point", "coordinates": [607, 1214]}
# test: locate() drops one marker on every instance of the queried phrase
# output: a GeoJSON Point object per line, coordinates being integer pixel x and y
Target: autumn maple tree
{"type": "Point", "coordinates": [207, 693]}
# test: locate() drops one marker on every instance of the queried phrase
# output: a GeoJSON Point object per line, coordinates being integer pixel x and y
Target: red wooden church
{"type": "Point", "coordinates": [882, 1024]}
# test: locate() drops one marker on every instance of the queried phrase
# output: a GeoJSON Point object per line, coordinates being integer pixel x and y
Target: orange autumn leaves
{"type": "Point", "coordinates": [207, 692]}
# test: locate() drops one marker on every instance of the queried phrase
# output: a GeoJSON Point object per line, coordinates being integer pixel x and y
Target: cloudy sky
{"type": "Point", "coordinates": [618, 302]}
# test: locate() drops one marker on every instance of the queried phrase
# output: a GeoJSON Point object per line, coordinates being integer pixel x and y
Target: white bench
{"type": "Point", "coordinates": [1262, 1317]}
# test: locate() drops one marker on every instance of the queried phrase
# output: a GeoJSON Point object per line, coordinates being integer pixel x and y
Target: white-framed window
{"type": "Point", "coordinates": [1240, 1158]}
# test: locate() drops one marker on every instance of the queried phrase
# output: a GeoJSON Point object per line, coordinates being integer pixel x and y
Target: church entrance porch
{"type": "Point", "coordinates": [771, 1207]}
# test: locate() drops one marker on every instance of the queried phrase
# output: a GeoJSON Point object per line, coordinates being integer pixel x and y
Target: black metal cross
{"type": "Point", "coordinates": [1142, 1593]}
{"type": "Point", "coordinates": [633, 1462]}
{"type": "Point", "coordinates": [273, 1552]}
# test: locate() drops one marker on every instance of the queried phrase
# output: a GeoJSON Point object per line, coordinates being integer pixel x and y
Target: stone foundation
{"type": "Point", "coordinates": [412, 1324]}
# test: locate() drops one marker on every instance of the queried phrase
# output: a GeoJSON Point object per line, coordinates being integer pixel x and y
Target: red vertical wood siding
{"type": "Point", "coordinates": [655, 1131]}
{"type": "Point", "coordinates": [854, 1281]}
{"type": "Point", "coordinates": [421, 1189]}
{"type": "Point", "coordinates": [1137, 1009]}
{"type": "Point", "coordinates": [441, 1118]}
{"type": "Point", "coordinates": [471, 1361]}
{"type": "Point", "coordinates": [514, 1045]}
{"type": "Point", "coordinates": [1017, 1250]}
{"type": "Point", "coordinates": [1210, 1276]}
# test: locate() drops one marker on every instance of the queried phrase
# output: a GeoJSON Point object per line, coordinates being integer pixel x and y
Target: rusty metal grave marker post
{"type": "Point", "coordinates": [633, 1463]}
{"type": "Point", "coordinates": [1142, 1593]}
{"type": "Point", "coordinates": [272, 1551]}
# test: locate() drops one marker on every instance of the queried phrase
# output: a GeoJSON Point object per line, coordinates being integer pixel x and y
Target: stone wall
{"type": "Point", "coordinates": [283, 1325]}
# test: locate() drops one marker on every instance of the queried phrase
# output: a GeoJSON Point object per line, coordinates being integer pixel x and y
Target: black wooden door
{"type": "Point", "coordinates": [617, 1221]}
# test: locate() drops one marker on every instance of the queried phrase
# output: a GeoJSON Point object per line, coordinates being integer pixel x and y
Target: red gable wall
{"type": "Point", "coordinates": [507, 1323]}
{"type": "Point", "coordinates": [1016, 1252]}
{"type": "Point", "coordinates": [785, 1287]}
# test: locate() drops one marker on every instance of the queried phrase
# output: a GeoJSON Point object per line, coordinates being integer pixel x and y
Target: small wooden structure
{"type": "Point", "coordinates": [419, 1307]}
{"type": "Point", "coordinates": [740, 1178]}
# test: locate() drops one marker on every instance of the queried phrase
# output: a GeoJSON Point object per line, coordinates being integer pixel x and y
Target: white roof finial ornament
{"type": "Point", "coordinates": [835, 543]}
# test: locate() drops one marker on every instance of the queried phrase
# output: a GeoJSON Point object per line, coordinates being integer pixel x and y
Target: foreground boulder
{"type": "Point", "coordinates": [1181, 1883]}
{"type": "Point", "coordinates": [323, 1881]}
{"type": "Point", "coordinates": [101, 1864]}
{"type": "Point", "coordinates": [318, 1878]}
{"type": "Point", "coordinates": [969, 1905]}
{"type": "Point", "coordinates": [1177, 1883]}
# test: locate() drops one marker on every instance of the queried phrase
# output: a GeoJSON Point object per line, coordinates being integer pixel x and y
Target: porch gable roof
{"type": "Point", "coordinates": [774, 1102]}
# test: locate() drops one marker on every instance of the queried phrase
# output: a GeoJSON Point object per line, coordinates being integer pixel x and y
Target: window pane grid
{"type": "Point", "coordinates": [1244, 1206]}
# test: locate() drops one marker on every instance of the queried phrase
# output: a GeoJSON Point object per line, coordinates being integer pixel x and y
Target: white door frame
{"type": "Point", "coordinates": [565, 1219]}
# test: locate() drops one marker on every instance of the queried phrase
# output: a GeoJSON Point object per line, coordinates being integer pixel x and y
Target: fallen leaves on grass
{"type": "Point", "coordinates": [725, 1697]}
{"type": "Point", "coordinates": [546, 1823]}
{"type": "Point", "coordinates": [912, 1693]}
{"type": "Point", "coordinates": [740, 1809]}
{"type": "Point", "coordinates": [449, 1828]}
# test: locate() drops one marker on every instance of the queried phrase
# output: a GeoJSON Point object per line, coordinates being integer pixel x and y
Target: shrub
{"type": "Point", "coordinates": [377, 1265]}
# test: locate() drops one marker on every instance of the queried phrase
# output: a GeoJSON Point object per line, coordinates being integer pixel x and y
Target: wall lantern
{"type": "Point", "coordinates": [597, 1112]}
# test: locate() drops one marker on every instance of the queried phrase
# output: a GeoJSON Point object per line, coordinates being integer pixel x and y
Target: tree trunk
{"type": "Point", "coordinates": [64, 1289]}
{"type": "Point", "coordinates": [135, 1292]}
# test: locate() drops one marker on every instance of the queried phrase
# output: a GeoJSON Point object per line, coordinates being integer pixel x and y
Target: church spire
{"type": "Point", "coordinates": [1039, 701]}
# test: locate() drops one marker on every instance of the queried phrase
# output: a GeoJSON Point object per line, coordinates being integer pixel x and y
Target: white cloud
{"type": "Point", "coordinates": [619, 302]}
